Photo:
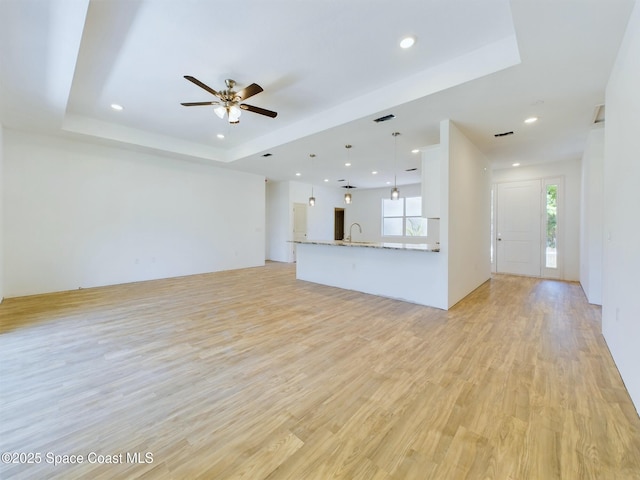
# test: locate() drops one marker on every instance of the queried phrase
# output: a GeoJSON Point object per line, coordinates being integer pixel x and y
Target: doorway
{"type": "Point", "coordinates": [299, 225]}
{"type": "Point", "coordinates": [526, 227]}
{"type": "Point", "coordinates": [338, 224]}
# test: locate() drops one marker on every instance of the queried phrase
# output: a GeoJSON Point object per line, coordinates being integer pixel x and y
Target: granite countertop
{"type": "Point", "coordinates": [424, 247]}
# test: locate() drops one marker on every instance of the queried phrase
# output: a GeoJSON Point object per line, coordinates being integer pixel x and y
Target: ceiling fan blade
{"type": "Point", "coordinates": [249, 91]}
{"type": "Point", "coordinates": [201, 85]}
{"type": "Point", "coordinates": [261, 111]}
{"type": "Point", "coordinates": [193, 104]}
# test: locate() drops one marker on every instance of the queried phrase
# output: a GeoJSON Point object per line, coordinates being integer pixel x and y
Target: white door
{"type": "Point", "coordinates": [299, 224]}
{"type": "Point", "coordinates": [518, 234]}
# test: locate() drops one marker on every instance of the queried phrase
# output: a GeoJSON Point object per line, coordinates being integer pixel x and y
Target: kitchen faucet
{"type": "Point", "coordinates": [348, 239]}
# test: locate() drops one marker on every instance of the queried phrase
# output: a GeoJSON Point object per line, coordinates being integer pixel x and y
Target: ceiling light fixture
{"type": "Point", "coordinates": [117, 107]}
{"type": "Point", "coordinates": [395, 193]}
{"type": "Point", "coordinates": [531, 120]}
{"type": "Point", "coordinates": [220, 136]}
{"type": "Point", "coordinates": [233, 112]}
{"type": "Point", "coordinates": [407, 42]}
{"type": "Point", "coordinates": [515, 164]}
{"type": "Point", "coordinates": [312, 199]}
{"type": "Point", "coordinates": [347, 196]}
{"type": "Point", "coordinates": [415, 150]}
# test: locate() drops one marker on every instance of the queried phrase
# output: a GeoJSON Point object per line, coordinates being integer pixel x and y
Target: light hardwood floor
{"type": "Point", "coordinates": [252, 374]}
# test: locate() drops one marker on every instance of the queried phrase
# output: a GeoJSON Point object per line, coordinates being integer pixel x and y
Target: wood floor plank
{"type": "Point", "coordinates": [254, 374]}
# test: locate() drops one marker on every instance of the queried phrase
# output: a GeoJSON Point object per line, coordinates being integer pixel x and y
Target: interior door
{"type": "Point", "coordinates": [299, 224]}
{"type": "Point", "coordinates": [518, 234]}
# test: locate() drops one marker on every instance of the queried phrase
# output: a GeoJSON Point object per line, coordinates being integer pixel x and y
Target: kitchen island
{"type": "Point", "coordinates": [413, 273]}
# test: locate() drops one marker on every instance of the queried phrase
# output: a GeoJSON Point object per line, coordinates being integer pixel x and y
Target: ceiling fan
{"type": "Point", "coordinates": [229, 102]}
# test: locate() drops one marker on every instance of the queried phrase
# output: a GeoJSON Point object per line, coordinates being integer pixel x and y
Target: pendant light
{"type": "Point", "coordinates": [347, 196]}
{"type": "Point", "coordinates": [312, 199]}
{"type": "Point", "coordinates": [395, 193]}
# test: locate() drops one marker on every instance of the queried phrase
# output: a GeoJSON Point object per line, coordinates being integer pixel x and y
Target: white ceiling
{"type": "Point", "coordinates": [328, 67]}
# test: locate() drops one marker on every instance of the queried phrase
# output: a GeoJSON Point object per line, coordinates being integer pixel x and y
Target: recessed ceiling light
{"type": "Point", "coordinates": [407, 42]}
{"type": "Point", "coordinates": [374, 172]}
{"type": "Point", "coordinates": [220, 136]}
{"type": "Point", "coordinates": [388, 183]}
{"type": "Point", "coordinates": [326, 179]}
{"type": "Point", "coordinates": [531, 120]}
{"type": "Point", "coordinates": [117, 107]}
{"type": "Point", "coordinates": [415, 150]}
{"type": "Point", "coordinates": [515, 164]}
{"type": "Point", "coordinates": [347, 164]}
{"type": "Point", "coordinates": [298, 174]}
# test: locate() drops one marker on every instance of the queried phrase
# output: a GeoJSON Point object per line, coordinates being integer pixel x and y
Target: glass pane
{"type": "Point", "coordinates": [414, 206]}
{"type": "Point", "coordinates": [392, 226]}
{"type": "Point", "coordinates": [392, 208]}
{"type": "Point", "coordinates": [416, 227]}
{"type": "Point", "coordinates": [491, 237]}
{"type": "Point", "coordinates": [551, 260]}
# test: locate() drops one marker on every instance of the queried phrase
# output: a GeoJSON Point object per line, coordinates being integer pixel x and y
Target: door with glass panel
{"type": "Point", "coordinates": [526, 228]}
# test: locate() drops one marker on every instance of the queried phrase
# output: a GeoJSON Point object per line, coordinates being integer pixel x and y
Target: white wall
{"type": "Point", "coordinates": [1, 214]}
{"type": "Point", "coordinates": [591, 216]}
{"type": "Point", "coordinates": [320, 219]}
{"type": "Point", "coordinates": [621, 266]}
{"type": "Point", "coordinates": [82, 215]}
{"type": "Point", "coordinates": [468, 214]}
{"type": "Point", "coordinates": [569, 211]}
{"type": "Point", "coordinates": [278, 221]}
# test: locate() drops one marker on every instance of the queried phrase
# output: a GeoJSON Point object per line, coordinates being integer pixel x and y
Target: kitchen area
{"type": "Point", "coordinates": [436, 270]}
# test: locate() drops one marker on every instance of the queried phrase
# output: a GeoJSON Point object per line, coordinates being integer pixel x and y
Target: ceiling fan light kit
{"type": "Point", "coordinates": [229, 102]}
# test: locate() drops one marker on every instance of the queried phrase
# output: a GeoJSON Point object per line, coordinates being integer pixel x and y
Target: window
{"type": "Point", "coordinates": [552, 227]}
{"type": "Point", "coordinates": [551, 260]}
{"type": "Point", "coordinates": [402, 218]}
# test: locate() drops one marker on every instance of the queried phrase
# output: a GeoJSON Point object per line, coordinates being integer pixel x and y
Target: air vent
{"type": "Point", "coordinates": [385, 118]}
{"type": "Point", "coordinates": [267, 154]}
{"type": "Point", "coordinates": [504, 134]}
{"type": "Point", "coordinates": [411, 169]}
{"type": "Point", "coordinates": [598, 114]}
{"type": "Point", "coordinates": [348, 186]}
